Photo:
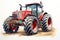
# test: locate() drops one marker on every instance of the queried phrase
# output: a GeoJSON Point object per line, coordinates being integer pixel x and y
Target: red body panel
{"type": "Point", "coordinates": [25, 13]}
{"type": "Point", "coordinates": [41, 16]}
{"type": "Point", "coordinates": [21, 14]}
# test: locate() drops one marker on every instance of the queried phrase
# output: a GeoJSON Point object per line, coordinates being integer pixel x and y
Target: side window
{"type": "Point", "coordinates": [28, 8]}
{"type": "Point", "coordinates": [39, 10]}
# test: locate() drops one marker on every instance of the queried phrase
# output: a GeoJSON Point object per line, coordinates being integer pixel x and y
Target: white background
{"type": "Point", "coordinates": [50, 6]}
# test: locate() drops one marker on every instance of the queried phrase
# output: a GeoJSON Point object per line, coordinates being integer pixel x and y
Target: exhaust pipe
{"type": "Point", "coordinates": [20, 6]}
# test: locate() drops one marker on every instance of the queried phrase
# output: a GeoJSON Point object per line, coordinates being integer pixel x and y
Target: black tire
{"type": "Point", "coordinates": [46, 23]}
{"type": "Point", "coordinates": [28, 25]}
{"type": "Point", "coordinates": [7, 28]}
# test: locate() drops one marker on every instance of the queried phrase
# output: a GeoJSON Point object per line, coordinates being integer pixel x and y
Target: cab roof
{"type": "Point", "coordinates": [32, 4]}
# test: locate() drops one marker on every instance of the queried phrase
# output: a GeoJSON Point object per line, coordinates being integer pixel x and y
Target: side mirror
{"type": "Point", "coordinates": [20, 6]}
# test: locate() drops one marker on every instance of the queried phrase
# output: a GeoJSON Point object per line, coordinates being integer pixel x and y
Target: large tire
{"type": "Point", "coordinates": [7, 26]}
{"type": "Point", "coordinates": [46, 23]}
{"type": "Point", "coordinates": [31, 25]}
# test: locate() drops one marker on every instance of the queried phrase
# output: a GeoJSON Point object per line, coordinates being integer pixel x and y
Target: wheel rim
{"type": "Point", "coordinates": [49, 21]}
{"type": "Point", "coordinates": [34, 24]}
{"type": "Point", "coordinates": [11, 26]}
{"type": "Point", "coordinates": [49, 24]}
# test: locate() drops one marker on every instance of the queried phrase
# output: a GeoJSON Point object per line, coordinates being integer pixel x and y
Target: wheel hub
{"type": "Point", "coordinates": [34, 24]}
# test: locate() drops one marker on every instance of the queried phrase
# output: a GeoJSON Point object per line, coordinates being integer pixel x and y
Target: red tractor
{"type": "Point", "coordinates": [32, 19]}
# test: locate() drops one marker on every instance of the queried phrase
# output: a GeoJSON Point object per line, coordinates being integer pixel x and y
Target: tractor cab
{"type": "Point", "coordinates": [35, 8]}
{"type": "Point", "coordinates": [32, 9]}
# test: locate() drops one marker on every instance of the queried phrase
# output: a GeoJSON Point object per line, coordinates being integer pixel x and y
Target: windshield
{"type": "Point", "coordinates": [36, 10]}
{"type": "Point", "coordinates": [31, 7]}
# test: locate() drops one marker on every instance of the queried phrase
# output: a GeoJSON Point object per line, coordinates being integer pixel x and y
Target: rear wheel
{"type": "Point", "coordinates": [9, 27]}
{"type": "Point", "coordinates": [31, 25]}
{"type": "Point", "coordinates": [46, 23]}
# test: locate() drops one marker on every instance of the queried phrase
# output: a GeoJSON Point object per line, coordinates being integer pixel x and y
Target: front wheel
{"type": "Point", "coordinates": [9, 27]}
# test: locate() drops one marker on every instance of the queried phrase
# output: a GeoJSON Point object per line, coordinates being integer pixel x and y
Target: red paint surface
{"type": "Point", "coordinates": [49, 21]}
{"type": "Point", "coordinates": [11, 25]}
{"type": "Point", "coordinates": [34, 24]}
{"type": "Point", "coordinates": [41, 16]}
{"type": "Point", "coordinates": [24, 14]}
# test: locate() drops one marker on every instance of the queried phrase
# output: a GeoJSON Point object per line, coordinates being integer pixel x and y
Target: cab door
{"type": "Point", "coordinates": [39, 11]}
{"type": "Point", "coordinates": [34, 10]}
